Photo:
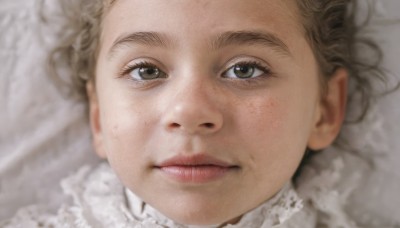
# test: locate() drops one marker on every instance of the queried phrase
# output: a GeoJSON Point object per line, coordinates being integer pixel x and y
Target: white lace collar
{"type": "Point", "coordinates": [111, 204]}
{"type": "Point", "coordinates": [100, 200]}
{"type": "Point", "coordinates": [272, 213]}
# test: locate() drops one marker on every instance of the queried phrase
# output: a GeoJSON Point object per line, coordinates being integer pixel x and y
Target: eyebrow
{"type": "Point", "coordinates": [251, 38]}
{"type": "Point", "coordinates": [142, 38]}
{"type": "Point", "coordinates": [155, 39]}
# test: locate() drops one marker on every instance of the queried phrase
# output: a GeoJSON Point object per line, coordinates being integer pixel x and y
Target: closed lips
{"type": "Point", "coordinates": [197, 169]}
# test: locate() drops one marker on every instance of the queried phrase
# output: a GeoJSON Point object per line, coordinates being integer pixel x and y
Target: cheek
{"type": "Point", "coordinates": [277, 130]}
{"type": "Point", "coordinates": [126, 126]}
{"type": "Point", "coordinates": [264, 120]}
{"type": "Point", "coordinates": [126, 132]}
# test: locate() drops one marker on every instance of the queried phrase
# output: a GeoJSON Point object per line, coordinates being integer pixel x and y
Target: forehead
{"type": "Point", "coordinates": [280, 15]}
{"type": "Point", "coordinates": [197, 20]}
{"type": "Point", "coordinates": [251, 9]}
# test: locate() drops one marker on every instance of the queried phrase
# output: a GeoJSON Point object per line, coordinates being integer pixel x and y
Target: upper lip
{"type": "Point", "coordinates": [194, 160]}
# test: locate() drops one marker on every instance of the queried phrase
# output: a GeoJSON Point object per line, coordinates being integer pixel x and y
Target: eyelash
{"type": "Point", "coordinates": [256, 64]}
{"type": "Point", "coordinates": [130, 67]}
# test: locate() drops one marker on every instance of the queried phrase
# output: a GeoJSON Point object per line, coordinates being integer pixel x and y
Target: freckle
{"type": "Point", "coordinates": [271, 103]}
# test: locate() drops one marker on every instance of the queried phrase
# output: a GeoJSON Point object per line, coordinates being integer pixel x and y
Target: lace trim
{"type": "Point", "coordinates": [321, 188]}
{"type": "Point", "coordinates": [100, 200]}
{"type": "Point", "coordinates": [270, 214]}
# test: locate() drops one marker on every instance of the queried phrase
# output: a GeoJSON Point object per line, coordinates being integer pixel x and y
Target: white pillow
{"type": "Point", "coordinates": [44, 136]}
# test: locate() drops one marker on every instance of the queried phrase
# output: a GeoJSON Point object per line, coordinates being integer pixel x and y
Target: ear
{"type": "Point", "coordinates": [94, 116]}
{"type": "Point", "coordinates": [331, 112]}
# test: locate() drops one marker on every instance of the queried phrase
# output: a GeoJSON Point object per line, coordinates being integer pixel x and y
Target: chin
{"type": "Point", "coordinates": [200, 219]}
{"type": "Point", "coordinates": [199, 216]}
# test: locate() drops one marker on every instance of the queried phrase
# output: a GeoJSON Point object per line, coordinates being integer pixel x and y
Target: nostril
{"type": "Point", "coordinates": [175, 125]}
{"type": "Point", "coordinates": [208, 125]}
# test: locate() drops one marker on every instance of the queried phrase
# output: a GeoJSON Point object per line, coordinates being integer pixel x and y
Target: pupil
{"type": "Point", "coordinates": [244, 71]}
{"type": "Point", "coordinates": [150, 71]}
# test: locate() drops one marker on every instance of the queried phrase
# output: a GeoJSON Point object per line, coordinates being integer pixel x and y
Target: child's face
{"type": "Point", "coordinates": [205, 108]}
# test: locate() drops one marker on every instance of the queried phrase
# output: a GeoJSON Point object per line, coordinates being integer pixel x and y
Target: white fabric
{"type": "Point", "coordinates": [274, 213]}
{"type": "Point", "coordinates": [44, 136]}
{"type": "Point", "coordinates": [100, 200]}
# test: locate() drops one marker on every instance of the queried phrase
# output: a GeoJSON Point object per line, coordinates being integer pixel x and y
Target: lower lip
{"type": "Point", "coordinates": [196, 174]}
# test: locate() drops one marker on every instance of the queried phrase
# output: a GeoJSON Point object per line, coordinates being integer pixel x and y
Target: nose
{"type": "Point", "coordinates": [193, 109]}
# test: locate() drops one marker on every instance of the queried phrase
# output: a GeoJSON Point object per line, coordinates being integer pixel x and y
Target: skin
{"type": "Point", "coordinates": [262, 126]}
